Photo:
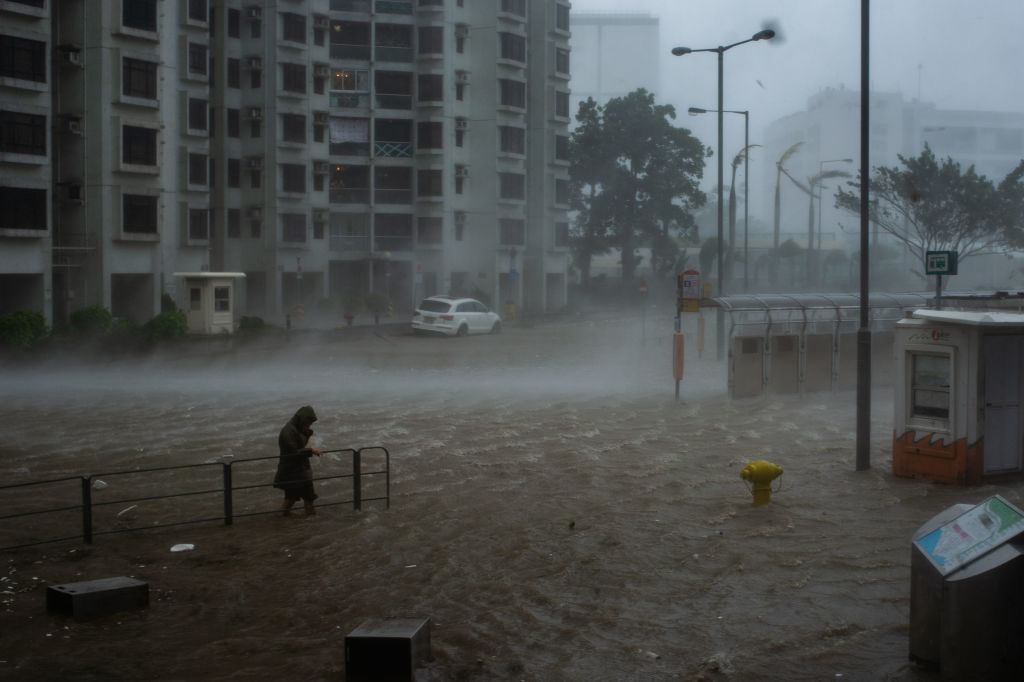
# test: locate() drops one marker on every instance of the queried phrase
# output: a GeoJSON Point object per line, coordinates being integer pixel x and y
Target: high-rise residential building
{"type": "Point", "coordinates": [321, 147]}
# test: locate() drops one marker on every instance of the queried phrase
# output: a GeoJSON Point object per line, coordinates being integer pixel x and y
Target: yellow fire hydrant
{"type": "Point", "coordinates": [760, 473]}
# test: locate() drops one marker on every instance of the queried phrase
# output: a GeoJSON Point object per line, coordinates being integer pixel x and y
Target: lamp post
{"type": "Point", "coordinates": [821, 168]}
{"type": "Point", "coordinates": [766, 34]}
{"type": "Point", "coordinates": [746, 182]}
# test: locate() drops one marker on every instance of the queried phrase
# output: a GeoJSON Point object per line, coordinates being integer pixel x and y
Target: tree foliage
{"type": "Point", "coordinates": [937, 206]}
{"type": "Point", "coordinates": [635, 181]}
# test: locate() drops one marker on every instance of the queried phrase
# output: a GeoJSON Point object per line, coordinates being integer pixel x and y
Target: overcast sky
{"type": "Point", "coordinates": [969, 52]}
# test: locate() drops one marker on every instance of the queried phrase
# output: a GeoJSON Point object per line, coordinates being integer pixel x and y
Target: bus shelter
{"type": "Point", "coordinates": [797, 343]}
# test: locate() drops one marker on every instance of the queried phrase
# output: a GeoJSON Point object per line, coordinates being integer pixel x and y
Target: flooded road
{"type": "Point", "coordinates": [553, 510]}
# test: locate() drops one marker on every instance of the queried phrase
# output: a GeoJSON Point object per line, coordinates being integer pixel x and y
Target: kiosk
{"type": "Point", "coordinates": [958, 399]}
{"type": "Point", "coordinates": [209, 301]}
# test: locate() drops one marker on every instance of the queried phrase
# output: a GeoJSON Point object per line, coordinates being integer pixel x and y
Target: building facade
{"type": "Point", "coordinates": [321, 147]}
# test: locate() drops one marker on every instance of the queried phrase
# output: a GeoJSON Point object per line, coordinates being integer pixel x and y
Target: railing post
{"type": "Point", "coordinates": [87, 509]}
{"type": "Point", "coordinates": [357, 481]}
{"type": "Point", "coordinates": [228, 489]}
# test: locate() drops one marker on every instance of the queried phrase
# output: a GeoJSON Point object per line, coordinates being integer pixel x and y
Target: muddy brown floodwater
{"type": "Point", "coordinates": [554, 511]}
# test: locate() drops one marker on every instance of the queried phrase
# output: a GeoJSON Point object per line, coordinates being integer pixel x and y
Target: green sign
{"type": "Point", "coordinates": [940, 263]}
{"type": "Point", "coordinates": [971, 535]}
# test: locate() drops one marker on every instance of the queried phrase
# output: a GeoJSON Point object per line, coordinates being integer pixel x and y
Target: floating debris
{"type": "Point", "coordinates": [183, 547]}
{"type": "Point", "coordinates": [99, 485]}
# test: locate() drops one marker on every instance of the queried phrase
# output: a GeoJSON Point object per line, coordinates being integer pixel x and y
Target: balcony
{"type": "Point", "coordinates": [350, 100]}
{"type": "Point", "coordinates": [351, 6]}
{"type": "Point", "coordinates": [386, 195]}
{"type": "Point", "coordinates": [349, 51]}
{"type": "Point", "coordinates": [394, 101]}
{"type": "Point", "coordinates": [394, 53]}
{"type": "Point", "coordinates": [350, 242]}
{"type": "Point", "coordinates": [392, 243]}
{"type": "Point", "coordinates": [392, 150]}
{"type": "Point", "coordinates": [393, 7]}
{"type": "Point", "coordinates": [350, 195]}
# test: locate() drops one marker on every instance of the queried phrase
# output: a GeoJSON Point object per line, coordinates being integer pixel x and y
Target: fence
{"type": "Point", "coordinates": [227, 489]}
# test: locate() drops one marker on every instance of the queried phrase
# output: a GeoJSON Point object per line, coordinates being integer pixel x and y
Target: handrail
{"type": "Point", "coordinates": [227, 489]}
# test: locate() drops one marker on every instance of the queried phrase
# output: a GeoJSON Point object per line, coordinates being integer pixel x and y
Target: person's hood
{"type": "Point", "coordinates": [304, 417]}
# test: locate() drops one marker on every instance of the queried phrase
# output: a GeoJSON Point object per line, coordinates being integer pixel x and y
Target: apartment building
{"type": "Point", "coordinates": [321, 147]}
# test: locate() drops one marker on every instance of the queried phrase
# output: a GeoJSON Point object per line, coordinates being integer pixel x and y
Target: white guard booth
{"type": "Point", "coordinates": [208, 300]}
{"type": "Point", "coordinates": [959, 399]}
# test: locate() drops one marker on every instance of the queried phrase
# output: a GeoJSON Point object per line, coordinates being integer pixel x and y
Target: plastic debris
{"type": "Point", "coordinates": [99, 485]}
{"type": "Point", "coordinates": [183, 547]}
{"type": "Point", "coordinates": [127, 509]}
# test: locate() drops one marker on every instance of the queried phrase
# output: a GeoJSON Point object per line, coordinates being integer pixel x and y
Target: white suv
{"type": "Point", "coordinates": [454, 317]}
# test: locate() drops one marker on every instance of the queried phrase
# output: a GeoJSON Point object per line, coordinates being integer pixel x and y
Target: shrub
{"type": "Point", "coordinates": [249, 324]}
{"type": "Point", "coordinates": [169, 325]}
{"type": "Point", "coordinates": [167, 304]}
{"type": "Point", "coordinates": [22, 329]}
{"type": "Point", "coordinates": [352, 304]}
{"type": "Point", "coordinates": [378, 303]}
{"type": "Point", "coordinates": [93, 320]}
{"type": "Point", "coordinates": [481, 295]}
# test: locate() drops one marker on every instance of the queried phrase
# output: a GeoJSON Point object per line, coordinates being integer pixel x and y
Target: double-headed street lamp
{"type": "Point", "coordinates": [766, 34]}
{"type": "Point", "coordinates": [746, 182]}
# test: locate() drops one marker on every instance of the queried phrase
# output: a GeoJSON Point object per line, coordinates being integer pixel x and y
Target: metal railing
{"type": "Point", "coordinates": [226, 490]}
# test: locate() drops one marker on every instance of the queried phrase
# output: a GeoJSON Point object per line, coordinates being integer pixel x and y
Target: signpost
{"type": "Point", "coordinates": [939, 263]}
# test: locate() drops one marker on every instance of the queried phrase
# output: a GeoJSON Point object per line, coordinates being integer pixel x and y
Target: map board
{"type": "Point", "coordinates": [971, 535]}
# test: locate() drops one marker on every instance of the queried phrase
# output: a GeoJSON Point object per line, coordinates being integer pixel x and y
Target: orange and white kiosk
{"type": "Point", "coordinates": [959, 398]}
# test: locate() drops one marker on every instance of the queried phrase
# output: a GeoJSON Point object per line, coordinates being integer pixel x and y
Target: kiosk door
{"type": "Point", "coordinates": [1003, 442]}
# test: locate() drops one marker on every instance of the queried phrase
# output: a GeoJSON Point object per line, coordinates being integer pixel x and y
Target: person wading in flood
{"type": "Point", "coordinates": [294, 474]}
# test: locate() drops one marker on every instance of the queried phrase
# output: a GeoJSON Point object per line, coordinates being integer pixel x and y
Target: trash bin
{"type": "Point", "coordinates": [967, 592]}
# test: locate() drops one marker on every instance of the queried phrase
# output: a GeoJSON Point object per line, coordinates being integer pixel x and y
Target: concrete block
{"type": "Point", "coordinates": [94, 598]}
{"type": "Point", "coordinates": [387, 649]}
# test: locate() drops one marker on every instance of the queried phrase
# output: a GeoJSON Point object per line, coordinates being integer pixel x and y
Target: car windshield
{"type": "Point", "coordinates": [434, 306]}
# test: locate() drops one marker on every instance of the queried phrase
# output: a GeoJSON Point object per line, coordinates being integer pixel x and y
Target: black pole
{"type": "Point", "coordinates": [864, 332]}
{"type": "Point", "coordinates": [87, 510]}
{"type": "Point", "coordinates": [746, 196]}
{"type": "Point", "coordinates": [357, 482]}
{"type": "Point", "coordinates": [719, 318]}
{"type": "Point", "coordinates": [228, 490]}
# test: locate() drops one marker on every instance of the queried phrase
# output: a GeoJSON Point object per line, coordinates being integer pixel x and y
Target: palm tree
{"type": "Point", "coordinates": [731, 244]}
{"type": "Point", "coordinates": [812, 252]}
{"type": "Point", "coordinates": [779, 170]}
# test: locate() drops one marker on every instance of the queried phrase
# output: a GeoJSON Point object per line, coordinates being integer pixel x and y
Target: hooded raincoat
{"type": "Point", "coordinates": [294, 474]}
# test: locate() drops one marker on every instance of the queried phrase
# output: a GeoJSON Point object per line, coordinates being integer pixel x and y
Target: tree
{"type": "Point", "coordinates": [776, 229]}
{"type": "Point", "coordinates": [812, 251]}
{"type": "Point", "coordinates": [936, 206]}
{"type": "Point", "coordinates": [636, 178]}
{"type": "Point", "coordinates": [730, 256]}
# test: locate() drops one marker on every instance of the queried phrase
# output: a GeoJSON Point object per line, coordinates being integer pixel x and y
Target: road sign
{"type": "Point", "coordinates": [940, 263]}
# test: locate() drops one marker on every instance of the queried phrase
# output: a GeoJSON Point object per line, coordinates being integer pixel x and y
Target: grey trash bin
{"type": "Point", "coordinates": [968, 622]}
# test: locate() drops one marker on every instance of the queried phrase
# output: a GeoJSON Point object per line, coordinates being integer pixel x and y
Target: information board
{"type": "Point", "coordinates": [940, 262]}
{"type": "Point", "coordinates": [971, 535]}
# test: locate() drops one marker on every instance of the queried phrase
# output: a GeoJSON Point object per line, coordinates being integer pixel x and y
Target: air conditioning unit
{"type": "Point", "coordinates": [320, 118]}
{"type": "Point", "coordinates": [461, 30]}
{"type": "Point", "coordinates": [256, 63]}
{"type": "Point", "coordinates": [254, 12]}
{"type": "Point", "coordinates": [321, 215]}
{"type": "Point", "coordinates": [462, 171]}
{"type": "Point", "coordinates": [255, 213]}
{"type": "Point", "coordinates": [73, 125]}
{"type": "Point", "coordinates": [321, 21]}
{"type": "Point", "coordinates": [460, 217]}
{"type": "Point", "coordinates": [73, 192]}
{"type": "Point", "coordinates": [461, 123]}
{"type": "Point", "coordinates": [72, 56]}
{"type": "Point", "coordinates": [255, 162]}
{"type": "Point", "coordinates": [462, 77]}
{"type": "Point", "coordinates": [320, 167]}
{"type": "Point", "coordinates": [321, 70]}
{"type": "Point", "coordinates": [255, 114]}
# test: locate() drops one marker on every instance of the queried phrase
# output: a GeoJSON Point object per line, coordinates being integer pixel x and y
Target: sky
{"type": "Point", "coordinates": [958, 54]}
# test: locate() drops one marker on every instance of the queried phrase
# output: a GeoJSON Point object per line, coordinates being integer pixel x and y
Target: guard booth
{"type": "Point", "coordinates": [208, 301]}
{"type": "Point", "coordinates": [958, 395]}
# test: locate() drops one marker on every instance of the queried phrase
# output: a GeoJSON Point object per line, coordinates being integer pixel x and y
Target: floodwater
{"type": "Point", "coordinates": [554, 511]}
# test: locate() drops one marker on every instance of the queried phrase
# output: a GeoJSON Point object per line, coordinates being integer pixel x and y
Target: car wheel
{"type": "Point", "coordinates": [463, 330]}
{"type": "Point", "coordinates": [496, 329]}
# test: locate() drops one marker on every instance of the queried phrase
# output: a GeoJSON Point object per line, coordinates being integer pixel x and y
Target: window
{"type": "Point", "coordinates": [429, 230]}
{"type": "Point", "coordinates": [293, 128]}
{"type": "Point", "coordinates": [213, 177]}
{"type": "Point", "coordinates": [460, 132]}
{"type": "Point", "coordinates": [561, 191]}
{"type": "Point", "coordinates": [222, 299]}
{"type": "Point", "coordinates": [198, 224]}
{"type": "Point", "coordinates": [24, 208]}
{"type": "Point", "coordinates": [255, 228]}
{"type": "Point", "coordinates": [513, 47]}
{"type": "Point", "coordinates": [431, 40]}
{"type": "Point", "coordinates": [517, 7]}
{"type": "Point", "coordinates": [513, 93]}
{"type": "Point", "coordinates": [234, 172]}
{"type": "Point", "coordinates": [429, 135]}
{"type": "Point", "coordinates": [195, 298]}
{"type": "Point", "coordinates": [255, 79]}
{"type": "Point", "coordinates": [562, 147]}
{"type": "Point", "coordinates": [234, 20]}
{"type": "Point", "coordinates": [460, 225]}
{"type": "Point", "coordinates": [461, 31]}
{"type": "Point", "coordinates": [562, 17]}
{"type": "Point", "coordinates": [139, 213]}
{"type": "Point", "coordinates": [350, 80]}
{"type": "Point", "coordinates": [512, 231]}
{"type": "Point", "coordinates": [138, 78]}
{"type": "Point", "coordinates": [139, 14]}
{"type": "Point", "coordinates": [460, 178]}
{"type": "Point", "coordinates": [293, 227]}
{"type": "Point", "coordinates": [931, 375]}
{"type": "Point", "coordinates": [234, 72]}
{"type": "Point", "coordinates": [561, 60]}
{"type": "Point", "coordinates": [22, 133]}
{"type": "Point", "coordinates": [561, 234]}
{"type": "Point", "coordinates": [431, 88]}
{"type": "Point", "coordinates": [293, 177]}
{"type": "Point", "coordinates": [197, 10]}
{"type": "Point", "coordinates": [197, 117]}
{"type": "Point", "coordinates": [22, 58]}
{"type": "Point", "coordinates": [197, 60]}
{"type": "Point", "coordinates": [234, 223]}
{"type": "Point", "coordinates": [562, 104]}
{"type": "Point", "coordinates": [256, 31]}
{"type": "Point", "coordinates": [512, 185]}
{"type": "Point", "coordinates": [234, 121]}
{"type": "Point", "coordinates": [293, 77]}
{"type": "Point", "coordinates": [293, 27]}
{"type": "Point", "coordinates": [138, 145]}
{"type": "Point", "coordinates": [513, 140]}
{"type": "Point", "coordinates": [197, 169]}
{"type": "Point", "coordinates": [429, 183]}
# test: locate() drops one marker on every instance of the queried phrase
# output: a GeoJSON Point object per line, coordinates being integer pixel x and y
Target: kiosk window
{"type": "Point", "coordinates": [929, 386]}
{"type": "Point", "coordinates": [221, 299]}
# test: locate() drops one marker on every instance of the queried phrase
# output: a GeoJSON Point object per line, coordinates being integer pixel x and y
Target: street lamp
{"type": "Point", "coordinates": [766, 34]}
{"type": "Point", "coordinates": [821, 168]}
{"type": "Point", "coordinates": [746, 181]}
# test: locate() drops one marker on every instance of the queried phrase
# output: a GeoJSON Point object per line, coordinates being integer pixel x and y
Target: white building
{"type": "Point", "coordinates": [321, 147]}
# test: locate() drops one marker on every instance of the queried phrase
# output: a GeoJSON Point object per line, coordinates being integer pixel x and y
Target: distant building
{"type": "Point", "coordinates": [613, 55]}
{"type": "Point", "coordinates": [320, 147]}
